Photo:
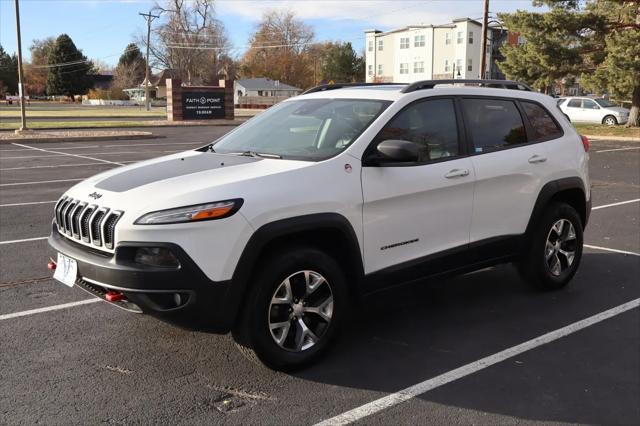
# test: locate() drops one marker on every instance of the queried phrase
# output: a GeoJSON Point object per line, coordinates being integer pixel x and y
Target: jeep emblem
{"type": "Point", "coordinates": [95, 195]}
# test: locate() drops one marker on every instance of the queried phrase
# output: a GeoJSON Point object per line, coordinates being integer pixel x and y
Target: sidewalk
{"type": "Point", "coordinates": [36, 136]}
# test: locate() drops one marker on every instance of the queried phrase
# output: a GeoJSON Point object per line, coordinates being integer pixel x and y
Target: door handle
{"type": "Point", "coordinates": [537, 159]}
{"type": "Point", "coordinates": [457, 173]}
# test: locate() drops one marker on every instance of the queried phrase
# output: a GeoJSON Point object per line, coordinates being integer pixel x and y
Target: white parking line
{"type": "Point", "coordinates": [619, 149]}
{"type": "Point", "coordinates": [616, 204]}
{"type": "Point", "coordinates": [63, 165]}
{"type": "Point", "coordinates": [42, 181]}
{"type": "Point", "coordinates": [453, 375]}
{"type": "Point", "coordinates": [64, 153]}
{"type": "Point", "coordinates": [124, 145]}
{"type": "Point", "coordinates": [48, 309]}
{"type": "Point", "coordinates": [26, 204]}
{"type": "Point", "coordinates": [25, 240]}
{"type": "Point", "coordinates": [632, 253]}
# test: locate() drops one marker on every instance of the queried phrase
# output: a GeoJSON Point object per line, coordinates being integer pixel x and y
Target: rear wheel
{"type": "Point", "coordinates": [295, 308]}
{"type": "Point", "coordinates": [610, 120]}
{"type": "Point", "coordinates": [555, 249]}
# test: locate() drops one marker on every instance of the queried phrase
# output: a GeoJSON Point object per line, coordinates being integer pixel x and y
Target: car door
{"type": "Point", "coordinates": [573, 109]}
{"type": "Point", "coordinates": [509, 169]}
{"type": "Point", "coordinates": [412, 210]}
{"type": "Point", "coordinates": [591, 111]}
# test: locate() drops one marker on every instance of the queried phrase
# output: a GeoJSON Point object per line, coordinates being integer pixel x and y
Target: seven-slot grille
{"type": "Point", "coordinates": [86, 222]}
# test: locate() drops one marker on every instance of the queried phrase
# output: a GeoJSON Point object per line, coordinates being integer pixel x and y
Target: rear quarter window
{"type": "Point", "coordinates": [544, 126]}
{"type": "Point", "coordinates": [494, 124]}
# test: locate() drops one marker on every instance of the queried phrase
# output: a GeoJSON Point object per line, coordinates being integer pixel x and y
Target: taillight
{"type": "Point", "coordinates": [585, 143]}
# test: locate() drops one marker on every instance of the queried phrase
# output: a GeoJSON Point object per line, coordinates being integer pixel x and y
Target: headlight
{"type": "Point", "coordinates": [208, 211]}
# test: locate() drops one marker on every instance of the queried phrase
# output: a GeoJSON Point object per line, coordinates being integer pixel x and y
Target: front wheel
{"type": "Point", "coordinates": [610, 120]}
{"type": "Point", "coordinates": [294, 310]}
{"type": "Point", "coordinates": [555, 248]}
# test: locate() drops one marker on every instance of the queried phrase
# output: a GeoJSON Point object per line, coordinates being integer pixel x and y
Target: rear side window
{"type": "Point", "coordinates": [544, 126]}
{"type": "Point", "coordinates": [494, 124]}
{"type": "Point", "coordinates": [431, 124]}
{"type": "Point", "coordinates": [575, 103]}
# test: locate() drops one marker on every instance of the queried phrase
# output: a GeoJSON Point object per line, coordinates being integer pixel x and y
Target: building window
{"type": "Point", "coordinates": [418, 67]}
{"type": "Point", "coordinates": [370, 70]}
{"type": "Point", "coordinates": [418, 41]}
{"type": "Point", "coordinates": [380, 45]}
{"type": "Point", "coordinates": [447, 38]}
{"type": "Point", "coordinates": [370, 46]}
{"type": "Point", "coordinates": [404, 68]}
{"type": "Point", "coordinates": [447, 66]}
{"type": "Point", "coordinates": [460, 37]}
{"type": "Point", "coordinates": [470, 37]}
{"type": "Point", "coordinates": [469, 65]}
{"type": "Point", "coordinates": [404, 42]}
{"type": "Point", "coordinates": [379, 69]}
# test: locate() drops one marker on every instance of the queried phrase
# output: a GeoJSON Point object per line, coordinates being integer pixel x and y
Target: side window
{"type": "Point", "coordinates": [494, 124]}
{"type": "Point", "coordinates": [575, 103]}
{"type": "Point", "coordinates": [543, 124]}
{"type": "Point", "coordinates": [589, 104]}
{"type": "Point", "coordinates": [431, 124]}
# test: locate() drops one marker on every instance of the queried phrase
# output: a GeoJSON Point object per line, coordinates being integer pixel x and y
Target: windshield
{"type": "Point", "coordinates": [604, 103]}
{"type": "Point", "coordinates": [308, 129]}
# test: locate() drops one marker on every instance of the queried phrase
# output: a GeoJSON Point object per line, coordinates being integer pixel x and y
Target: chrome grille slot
{"type": "Point", "coordinates": [75, 220]}
{"type": "Point", "coordinates": [109, 228]}
{"type": "Point", "coordinates": [87, 223]}
{"type": "Point", "coordinates": [84, 223]}
{"type": "Point", "coordinates": [95, 226]}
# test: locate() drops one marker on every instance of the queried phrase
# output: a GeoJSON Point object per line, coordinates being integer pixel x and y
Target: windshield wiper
{"type": "Point", "coordinates": [255, 154]}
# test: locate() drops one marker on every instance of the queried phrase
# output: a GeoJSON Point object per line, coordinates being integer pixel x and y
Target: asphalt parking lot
{"type": "Point", "coordinates": [94, 363]}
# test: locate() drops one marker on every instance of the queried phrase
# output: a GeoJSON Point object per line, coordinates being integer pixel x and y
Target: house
{"type": "Point", "coordinates": [157, 87]}
{"type": "Point", "coordinates": [425, 52]}
{"type": "Point", "coordinates": [262, 91]}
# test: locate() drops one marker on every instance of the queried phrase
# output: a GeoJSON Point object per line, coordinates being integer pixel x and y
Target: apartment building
{"type": "Point", "coordinates": [424, 52]}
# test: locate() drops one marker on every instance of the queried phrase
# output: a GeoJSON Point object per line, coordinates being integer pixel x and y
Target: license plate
{"type": "Point", "coordinates": [66, 270]}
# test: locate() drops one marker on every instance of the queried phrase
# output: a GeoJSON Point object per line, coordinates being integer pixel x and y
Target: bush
{"type": "Point", "coordinates": [113, 94]}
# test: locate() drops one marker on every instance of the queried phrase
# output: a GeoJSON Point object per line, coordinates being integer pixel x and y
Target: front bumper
{"type": "Point", "coordinates": [183, 296]}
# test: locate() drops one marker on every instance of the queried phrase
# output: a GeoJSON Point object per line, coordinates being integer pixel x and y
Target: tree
{"type": "Point", "coordinates": [597, 41]}
{"type": "Point", "coordinates": [68, 69]}
{"type": "Point", "coordinates": [130, 69]}
{"type": "Point", "coordinates": [340, 63]}
{"type": "Point", "coordinates": [280, 49]}
{"type": "Point", "coordinates": [191, 41]}
{"type": "Point", "coordinates": [8, 72]}
{"type": "Point", "coordinates": [36, 72]}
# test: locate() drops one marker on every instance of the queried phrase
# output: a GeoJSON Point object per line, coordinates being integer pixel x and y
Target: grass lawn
{"type": "Point", "coordinates": [73, 124]}
{"type": "Point", "coordinates": [602, 130]}
{"type": "Point", "coordinates": [73, 111]}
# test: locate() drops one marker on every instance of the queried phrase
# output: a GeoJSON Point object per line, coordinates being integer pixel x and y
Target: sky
{"type": "Point", "coordinates": [103, 28]}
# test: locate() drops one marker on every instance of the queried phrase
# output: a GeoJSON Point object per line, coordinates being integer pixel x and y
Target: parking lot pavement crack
{"type": "Point", "coordinates": [25, 281]}
{"type": "Point", "coordinates": [117, 369]}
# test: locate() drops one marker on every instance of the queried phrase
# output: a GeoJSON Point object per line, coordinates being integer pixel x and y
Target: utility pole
{"type": "Point", "coordinates": [149, 18]}
{"type": "Point", "coordinates": [483, 54]}
{"type": "Point", "coordinates": [23, 117]}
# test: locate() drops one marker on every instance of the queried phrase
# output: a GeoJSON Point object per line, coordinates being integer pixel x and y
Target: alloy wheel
{"type": "Point", "coordinates": [561, 246]}
{"type": "Point", "coordinates": [610, 121]}
{"type": "Point", "coordinates": [300, 311]}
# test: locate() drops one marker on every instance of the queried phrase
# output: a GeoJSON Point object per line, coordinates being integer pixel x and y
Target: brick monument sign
{"type": "Point", "coordinates": [199, 102]}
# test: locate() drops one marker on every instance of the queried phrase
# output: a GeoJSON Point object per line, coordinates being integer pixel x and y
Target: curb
{"type": "Point", "coordinates": [191, 124]}
{"type": "Point", "coordinates": [82, 138]}
{"type": "Point", "coordinates": [614, 138]}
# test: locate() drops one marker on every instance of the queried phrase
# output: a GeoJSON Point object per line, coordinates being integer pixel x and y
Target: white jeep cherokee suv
{"type": "Point", "coordinates": [274, 230]}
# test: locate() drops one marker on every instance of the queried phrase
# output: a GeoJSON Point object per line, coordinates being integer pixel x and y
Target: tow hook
{"type": "Point", "coordinates": [51, 265]}
{"type": "Point", "coordinates": [114, 296]}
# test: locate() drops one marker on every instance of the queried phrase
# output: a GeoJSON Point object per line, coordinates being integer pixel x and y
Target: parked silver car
{"type": "Point", "coordinates": [588, 110]}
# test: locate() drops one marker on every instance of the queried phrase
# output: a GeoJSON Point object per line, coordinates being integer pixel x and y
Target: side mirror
{"type": "Point", "coordinates": [399, 150]}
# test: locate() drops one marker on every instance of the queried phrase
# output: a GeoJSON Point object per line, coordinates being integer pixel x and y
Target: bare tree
{"type": "Point", "coordinates": [189, 40]}
{"type": "Point", "coordinates": [281, 49]}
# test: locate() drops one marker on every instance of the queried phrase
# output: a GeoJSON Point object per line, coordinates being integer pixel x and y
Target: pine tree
{"type": "Point", "coordinates": [69, 69]}
{"type": "Point", "coordinates": [8, 72]}
{"type": "Point", "coordinates": [130, 69]}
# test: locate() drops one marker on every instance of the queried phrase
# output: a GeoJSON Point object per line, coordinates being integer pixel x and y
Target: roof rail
{"type": "Point", "coordinates": [497, 84]}
{"type": "Point", "coordinates": [325, 87]}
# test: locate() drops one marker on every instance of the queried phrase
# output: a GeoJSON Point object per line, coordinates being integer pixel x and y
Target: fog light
{"type": "Point", "coordinates": [156, 256]}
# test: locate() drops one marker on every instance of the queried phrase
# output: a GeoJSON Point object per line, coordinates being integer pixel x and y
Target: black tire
{"type": "Point", "coordinates": [252, 332]}
{"type": "Point", "coordinates": [536, 268]}
{"type": "Point", "coordinates": [611, 118]}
